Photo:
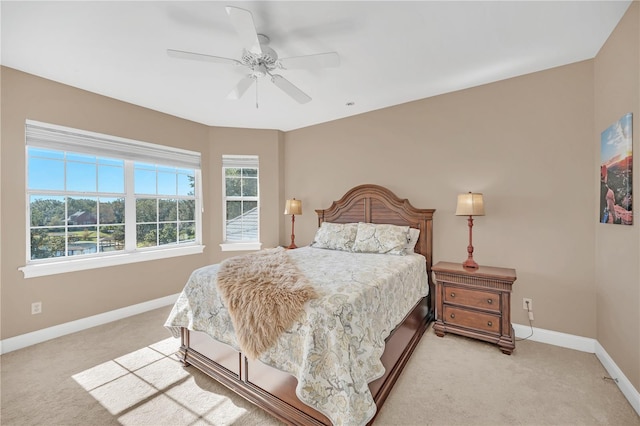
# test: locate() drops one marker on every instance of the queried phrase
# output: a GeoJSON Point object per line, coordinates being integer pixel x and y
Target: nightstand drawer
{"type": "Point", "coordinates": [473, 298]}
{"type": "Point", "coordinates": [471, 319]}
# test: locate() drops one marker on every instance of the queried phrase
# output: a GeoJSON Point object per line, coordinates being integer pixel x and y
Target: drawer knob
{"type": "Point", "coordinates": [453, 294]}
{"type": "Point", "coordinates": [489, 301]}
{"type": "Point", "coordinates": [453, 315]}
{"type": "Point", "coordinates": [489, 323]}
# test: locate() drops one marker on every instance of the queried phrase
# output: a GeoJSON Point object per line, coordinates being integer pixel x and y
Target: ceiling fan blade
{"type": "Point", "coordinates": [291, 90]}
{"type": "Point", "coordinates": [201, 57]}
{"type": "Point", "coordinates": [241, 87]}
{"type": "Point", "coordinates": [320, 60]}
{"type": "Point", "coordinates": [242, 21]}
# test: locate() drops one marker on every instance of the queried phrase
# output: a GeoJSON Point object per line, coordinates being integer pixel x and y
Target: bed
{"type": "Point", "coordinates": [281, 378]}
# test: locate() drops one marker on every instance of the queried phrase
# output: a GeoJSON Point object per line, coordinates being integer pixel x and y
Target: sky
{"type": "Point", "coordinates": [91, 174]}
{"type": "Point", "coordinates": [615, 141]}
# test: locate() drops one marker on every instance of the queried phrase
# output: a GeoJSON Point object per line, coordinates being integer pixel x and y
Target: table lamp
{"type": "Point", "coordinates": [293, 207]}
{"type": "Point", "coordinates": [470, 204]}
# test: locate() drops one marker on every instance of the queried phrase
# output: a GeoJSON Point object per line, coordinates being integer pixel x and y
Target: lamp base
{"type": "Point", "coordinates": [293, 235]}
{"type": "Point", "coordinates": [470, 263]}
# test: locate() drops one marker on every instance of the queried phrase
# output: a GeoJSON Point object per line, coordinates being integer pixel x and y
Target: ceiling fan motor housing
{"type": "Point", "coordinates": [266, 60]}
{"type": "Point", "coordinates": [269, 55]}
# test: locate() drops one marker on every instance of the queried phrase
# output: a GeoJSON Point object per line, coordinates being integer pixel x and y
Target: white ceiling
{"type": "Point", "coordinates": [391, 52]}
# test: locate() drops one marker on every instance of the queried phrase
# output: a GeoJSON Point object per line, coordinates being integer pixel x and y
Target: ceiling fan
{"type": "Point", "coordinates": [260, 59]}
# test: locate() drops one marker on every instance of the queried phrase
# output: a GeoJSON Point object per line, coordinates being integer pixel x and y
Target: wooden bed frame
{"type": "Point", "coordinates": [274, 390]}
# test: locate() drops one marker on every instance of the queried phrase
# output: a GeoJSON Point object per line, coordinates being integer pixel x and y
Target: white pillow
{"type": "Point", "coordinates": [414, 234]}
{"type": "Point", "coordinates": [381, 238]}
{"type": "Point", "coordinates": [335, 236]}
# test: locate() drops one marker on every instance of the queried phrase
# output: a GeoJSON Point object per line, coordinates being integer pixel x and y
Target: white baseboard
{"type": "Point", "coordinates": [555, 338]}
{"type": "Point", "coordinates": [627, 389]}
{"type": "Point", "coordinates": [583, 344]}
{"type": "Point", "coordinates": [24, 340]}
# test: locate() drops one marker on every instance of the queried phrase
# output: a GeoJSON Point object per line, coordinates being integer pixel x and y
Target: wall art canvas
{"type": "Point", "coordinates": [616, 172]}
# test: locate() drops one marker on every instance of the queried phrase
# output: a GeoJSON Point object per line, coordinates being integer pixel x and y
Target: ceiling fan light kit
{"type": "Point", "coordinates": [260, 59]}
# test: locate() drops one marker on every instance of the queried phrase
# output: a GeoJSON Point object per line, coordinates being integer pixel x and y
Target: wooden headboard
{"type": "Point", "coordinates": [376, 204]}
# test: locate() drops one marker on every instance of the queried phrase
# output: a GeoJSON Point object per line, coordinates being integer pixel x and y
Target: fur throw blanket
{"type": "Point", "coordinates": [265, 294]}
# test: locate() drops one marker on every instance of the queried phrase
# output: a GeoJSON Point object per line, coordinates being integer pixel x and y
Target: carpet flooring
{"type": "Point", "coordinates": [126, 373]}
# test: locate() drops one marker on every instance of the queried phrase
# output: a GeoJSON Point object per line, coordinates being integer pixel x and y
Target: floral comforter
{"type": "Point", "coordinates": [334, 349]}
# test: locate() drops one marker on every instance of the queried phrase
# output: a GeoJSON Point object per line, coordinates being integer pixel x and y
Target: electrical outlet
{"type": "Point", "coordinates": [36, 308]}
{"type": "Point", "coordinates": [524, 304]}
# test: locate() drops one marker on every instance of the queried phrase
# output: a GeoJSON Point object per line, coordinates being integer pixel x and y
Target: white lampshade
{"type": "Point", "coordinates": [470, 204]}
{"type": "Point", "coordinates": [293, 207]}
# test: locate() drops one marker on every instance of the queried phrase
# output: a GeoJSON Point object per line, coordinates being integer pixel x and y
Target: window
{"type": "Point", "coordinates": [241, 210]}
{"type": "Point", "coordinates": [96, 200]}
{"type": "Point", "coordinates": [165, 205]}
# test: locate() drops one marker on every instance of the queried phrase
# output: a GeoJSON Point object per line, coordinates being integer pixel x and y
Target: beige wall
{"type": "Point", "coordinates": [72, 296]}
{"type": "Point", "coordinates": [617, 248]}
{"type": "Point", "coordinates": [523, 142]}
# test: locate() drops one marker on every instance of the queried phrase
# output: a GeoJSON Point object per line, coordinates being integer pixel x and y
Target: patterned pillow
{"type": "Point", "coordinates": [381, 238]}
{"type": "Point", "coordinates": [335, 236]}
{"type": "Point", "coordinates": [414, 234]}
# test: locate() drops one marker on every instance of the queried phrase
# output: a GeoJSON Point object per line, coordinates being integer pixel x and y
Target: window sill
{"type": "Point", "coordinates": [241, 246]}
{"type": "Point", "coordinates": [61, 267]}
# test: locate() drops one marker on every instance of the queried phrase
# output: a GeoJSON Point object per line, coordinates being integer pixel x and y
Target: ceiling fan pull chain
{"type": "Point", "coordinates": [256, 93]}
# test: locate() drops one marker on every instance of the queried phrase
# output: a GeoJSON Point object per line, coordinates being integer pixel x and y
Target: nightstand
{"type": "Point", "coordinates": [475, 303]}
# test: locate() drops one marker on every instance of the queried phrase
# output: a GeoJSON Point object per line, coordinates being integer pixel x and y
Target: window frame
{"type": "Point", "coordinates": [247, 162]}
{"type": "Point", "coordinates": [59, 138]}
